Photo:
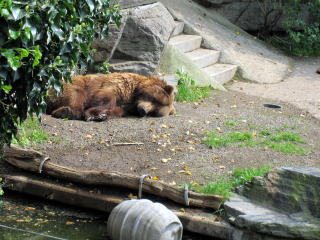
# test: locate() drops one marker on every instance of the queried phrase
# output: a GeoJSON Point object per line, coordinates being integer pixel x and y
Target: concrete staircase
{"type": "Point", "coordinates": [185, 51]}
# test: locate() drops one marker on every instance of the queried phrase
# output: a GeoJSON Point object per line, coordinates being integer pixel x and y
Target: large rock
{"type": "Point", "coordinates": [139, 67]}
{"type": "Point", "coordinates": [294, 189]}
{"type": "Point", "coordinates": [249, 14]}
{"type": "Point", "coordinates": [285, 203]}
{"type": "Point", "coordinates": [147, 31]}
{"type": "Point", "coordinates": [104, 49]}
{"type": "Point", "coordinates": [257, 61]}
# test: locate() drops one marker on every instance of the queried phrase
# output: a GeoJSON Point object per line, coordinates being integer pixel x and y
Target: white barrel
{"type": "Point", "coordinates": [143, 220]}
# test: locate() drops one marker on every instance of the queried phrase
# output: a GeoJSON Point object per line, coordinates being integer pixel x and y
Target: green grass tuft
{"type": "Point", "coordinates": [221, 187]}
{"type": "Point", "coordinates": [286, 147]}
{"type": "Point", "coordinates": [242, 176]}
{"type": "Point", "coordinates": [188, 91]}
{"type": "Point", "coordinates": [230, 123]}
{"type": "Point", "coordinates": [225, 185]}
{"type": "Point", "coordinates": [213, 140]}
{"type": "Point", "coordinates": [282, 141]}
{"type": "Point", "coordinates": [287, 137]}
{"type": "Point", "coordinates": [30, 133]}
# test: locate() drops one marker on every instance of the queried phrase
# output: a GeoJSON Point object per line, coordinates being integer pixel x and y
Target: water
{"type": "Point", "coordinates": [55, 221]}
{"type": "Point", "coordinates": [20, 213]}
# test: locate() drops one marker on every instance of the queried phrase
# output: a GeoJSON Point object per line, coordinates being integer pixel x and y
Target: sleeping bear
{"type": "Point", "coordinates": [104, 96]}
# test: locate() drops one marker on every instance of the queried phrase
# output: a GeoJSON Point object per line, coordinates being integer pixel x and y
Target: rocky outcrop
{"type": "Point", "coordinates": [250, 14]}
{"type": "Point", "coordinates": [104, 49]}
{"type": "Point", "coordinates": [141, 67]}
{"type": "Point", "coordinates": [285, 203]}
{"type": "Point", "coordinates": [147, 31]}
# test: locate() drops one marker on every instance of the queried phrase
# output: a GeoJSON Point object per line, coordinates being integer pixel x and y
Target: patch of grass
{"type": "Point", "coordinates": [242, 176]}
{"type": "Point", "coordinates": [282, 141]}
{"type": "Point", "coordinates": [225, 184]}
{"type": "Point", "coordinates": [230, 123]}
{"type": "Point", "coordinates": [214, 140]}
{"type": "Point", "coordinates": [188, 91]}
{"type": "Point", "coordinates": [221, 187]}
{"type": "Point", "coordinates": [236, 76]}
{"type": "Point", "coordinates": [287, 137]}
{"type": "Point", "coordinates": [30, 133]}
{"type": "Point", "coordinates": [286, 148]}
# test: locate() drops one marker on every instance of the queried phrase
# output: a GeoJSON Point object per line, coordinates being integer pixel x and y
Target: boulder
{"type": "Point", "coordinates": [104, 49]}
{"type": "Point", "coordinates": [140, 67]}
{"type": "Point", "coordinates": [147, 31]}
{"type": "Point", "coordinates": [285, 203]}
{"type": "Point", "coordinates": [249, 14]}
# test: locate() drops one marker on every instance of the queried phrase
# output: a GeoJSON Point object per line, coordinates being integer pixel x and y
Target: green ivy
{"type": "Point", "coordinates": [41, 43]}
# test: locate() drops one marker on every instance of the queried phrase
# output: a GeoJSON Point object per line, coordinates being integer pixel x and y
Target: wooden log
{"type": "Point", "coordinates": [193, 220]}
{"type": "Point", "coordinates": [31, 160]}
{"type": "Point", "coordinates": [69, 195]}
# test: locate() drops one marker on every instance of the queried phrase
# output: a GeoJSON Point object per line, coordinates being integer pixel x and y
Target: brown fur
{"type": "Point", "coordinates": [104, 96]}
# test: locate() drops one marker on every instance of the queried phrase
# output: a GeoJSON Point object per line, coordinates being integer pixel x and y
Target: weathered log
{"type": "Point", "coordinates": [31, 160]}
{"type": "Point", "coordinates": [193, 220]}
{"type": "Point", "coordinates": [69, 195]}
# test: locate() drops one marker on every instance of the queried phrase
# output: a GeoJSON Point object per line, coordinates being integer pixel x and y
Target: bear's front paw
{"type": "Point", "coordinates": [98, 118]}
{"type": "Point", "coordinates": [62, 112]}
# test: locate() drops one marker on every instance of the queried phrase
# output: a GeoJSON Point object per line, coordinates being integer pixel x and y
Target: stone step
{"type": "Point", "coordinates": [178, 28]}
{"type": "Point", "coordinates": [185, 43]}
{"type": "Point", "coordinates": [203, 57]}
{"type": "Point", "coordinates": [221, 73]}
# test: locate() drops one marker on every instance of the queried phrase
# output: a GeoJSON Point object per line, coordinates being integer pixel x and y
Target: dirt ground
{"type": "Point", "coordinates": [170, 148]}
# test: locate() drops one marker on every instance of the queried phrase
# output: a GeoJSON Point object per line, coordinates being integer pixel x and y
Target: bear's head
{"type": "Point", "coordinates": [155, 101]}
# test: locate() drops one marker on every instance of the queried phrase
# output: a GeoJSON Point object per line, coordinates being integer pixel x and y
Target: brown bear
{"type": "Point", "coordinates": [104, 96]}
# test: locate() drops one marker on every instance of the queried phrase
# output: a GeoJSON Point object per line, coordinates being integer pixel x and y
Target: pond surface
{"type": "Point", "coordinates": [32, 219]}
{"type": "Point", "coordinates": [28, 218]}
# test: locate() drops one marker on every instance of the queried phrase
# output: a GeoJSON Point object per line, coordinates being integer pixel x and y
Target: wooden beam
{"type": "Point", "coordinates": [30, 160]}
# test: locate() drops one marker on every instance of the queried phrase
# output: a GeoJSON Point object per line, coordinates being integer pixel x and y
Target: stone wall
{"type": "Point", "coordinates": [247, 14]}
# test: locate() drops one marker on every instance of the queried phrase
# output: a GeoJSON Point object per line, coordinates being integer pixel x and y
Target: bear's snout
{"type": "Point", "coordinates": [144, 108]}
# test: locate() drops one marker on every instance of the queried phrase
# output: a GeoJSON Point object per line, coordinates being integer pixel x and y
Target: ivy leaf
{"type": "Point", "coordinates": [5, 13]}
{"type": "Point", "coordinates": [14, 62]}
{"type": "Point", "coordinates": [23, 53]}
{"type": "Point", "coordinates": [27, 33]}
{"type": "Point", "coordinates": [33, 31]}
{"type": "Point", "coordinates": [57, 31]}
{"type": "Point", "coordinates": [57, 86]}
{"type": "Point", "coordinates": [18, 13]}
{"type": "Point", "coordinates": [6, 88]}
{"type": "Point", "coordinates": [90, 4]}
{"type": "Point", "coordinates": [14, 34]}
{"type": "Point", "coordinates": [37, 56]}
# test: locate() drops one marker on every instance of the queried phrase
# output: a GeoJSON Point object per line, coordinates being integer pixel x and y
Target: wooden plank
{"type": "Point", "coordinates": [30, 160]}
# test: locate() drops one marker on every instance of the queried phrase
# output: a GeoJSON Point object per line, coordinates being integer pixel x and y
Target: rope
{"type": "Point", "coordinates": [27, 231]}
{"type": "Point", "coordinates": [41, 163]}
{"type": "Point", "coordinates": [186, 194]}
{"type": "Point", "coordinates": [141, 179]}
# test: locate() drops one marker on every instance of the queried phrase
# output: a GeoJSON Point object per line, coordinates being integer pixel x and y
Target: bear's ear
{"type": "Point", "coordinates": [169, 89]}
